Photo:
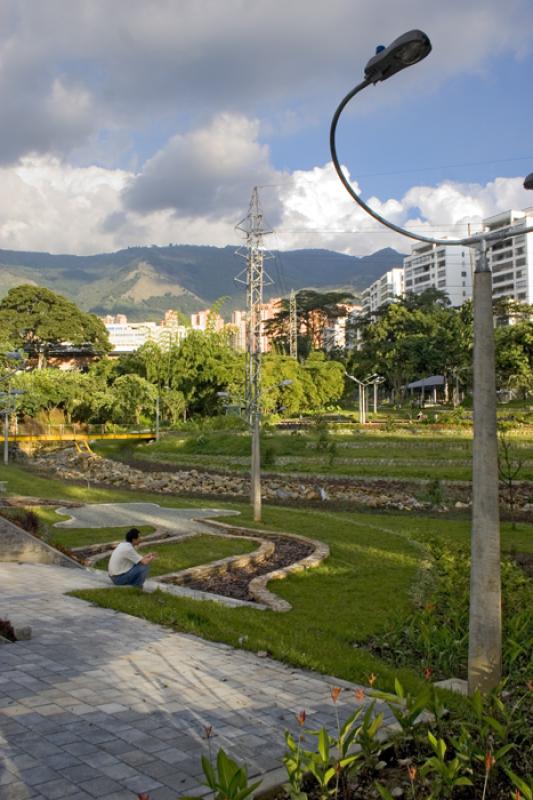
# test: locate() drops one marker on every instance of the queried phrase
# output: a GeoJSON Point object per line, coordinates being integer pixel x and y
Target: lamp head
{"type": "Point", "coordinates": [404, 51]}
{"type": "Point", "coordinates": [528, 183]}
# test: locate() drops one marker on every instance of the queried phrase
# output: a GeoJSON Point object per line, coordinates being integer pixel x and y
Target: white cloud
{"type": "Point", "coordinates": [51, 206]}
{"type": "Point", "coordinates": [205, 173]}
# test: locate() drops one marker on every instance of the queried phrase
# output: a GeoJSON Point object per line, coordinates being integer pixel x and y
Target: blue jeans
{"type": "Point", "coordinates": [135, 576]}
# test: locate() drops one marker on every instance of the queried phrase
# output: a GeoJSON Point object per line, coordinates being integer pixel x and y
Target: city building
{"type": "Point", "coordinates": [238, 325]}
{"type": "Point", "coordinates": [336, 333]}
{"type": "Point", "coordinates": [207, 319]}
{"type": "Point", "coordinates": [385, 290]}
{"type": "Point", "coordinates": [448, 268]}
{"type": "Point", "coordinates": [126, 337]}
{"type": "Point", "coordinates": [511, 260]}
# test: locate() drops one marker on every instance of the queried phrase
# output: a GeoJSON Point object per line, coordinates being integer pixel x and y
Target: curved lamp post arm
{"type": "Point", "coordinates": [471, 241]}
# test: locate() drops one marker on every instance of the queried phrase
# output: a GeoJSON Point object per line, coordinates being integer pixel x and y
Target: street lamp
{"type": "Point", "coordinates": [371, 380]}
{"type": "Point", "coordinates": [484, 653]}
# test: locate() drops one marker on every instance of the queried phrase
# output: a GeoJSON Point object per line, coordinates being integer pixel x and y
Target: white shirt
{"type": "Point", "coordinates": [123, 558]}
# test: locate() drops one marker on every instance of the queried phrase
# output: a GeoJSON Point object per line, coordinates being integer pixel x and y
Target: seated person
{"type": "Point", "coordinates": [126, 567]}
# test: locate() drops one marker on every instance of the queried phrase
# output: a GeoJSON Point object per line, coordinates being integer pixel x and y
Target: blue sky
{"type": "Point", "coordinates": [132, 122]}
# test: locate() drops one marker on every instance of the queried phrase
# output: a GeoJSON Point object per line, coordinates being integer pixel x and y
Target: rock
{"type": "Point", "coordinates": [262, 654]}
{"type": "Point", "coordinates": [397, 791]}
{"type": "Point", "coordinates": [23, 634]}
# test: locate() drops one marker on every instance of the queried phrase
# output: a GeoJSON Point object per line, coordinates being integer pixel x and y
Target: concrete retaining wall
{"type": "Point", "coordinates": [19, 545]}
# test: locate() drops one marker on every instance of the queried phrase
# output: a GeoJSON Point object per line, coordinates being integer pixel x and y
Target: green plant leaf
{"type": "Point", "coordinates": [209, 773]}
{"type": "Point", "coordinates": [384, 792]}
{"type": "Point", "coordinates": [323, 745]}
{"type": "Point", "coordinates": [520, 784]}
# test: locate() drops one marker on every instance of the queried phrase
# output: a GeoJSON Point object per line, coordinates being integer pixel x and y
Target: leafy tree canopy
{"type": "Point", "coordinates": [38, 319]}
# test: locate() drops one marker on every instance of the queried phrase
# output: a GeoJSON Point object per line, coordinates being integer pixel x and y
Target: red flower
{"type": "Point", "coordinates": [335, 692]}
{"type": "Point", "coordinates": [208, 732]}
{"type": "Point", "coordinates": [301, 717]}
{"type": "Point", "coordinates": [489, 761]}
{"type": "Point", "coordinates": [428, 672]}
{"type": "Point", "coordinates": [143, 796]}
{"type": "Point", "coordinates": [372, 678]}
{"type": "Point", "coordinates": [359, 694]}
{"type": "Point", "coordinates": [411, 771]}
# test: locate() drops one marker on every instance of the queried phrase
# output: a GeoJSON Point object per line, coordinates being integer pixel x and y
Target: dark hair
{"type": "Point", "coordinates": [132, 534]}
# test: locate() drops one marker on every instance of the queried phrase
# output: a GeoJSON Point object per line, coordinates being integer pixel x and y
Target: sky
{"type": "Point", "coordinates": [140, 122]}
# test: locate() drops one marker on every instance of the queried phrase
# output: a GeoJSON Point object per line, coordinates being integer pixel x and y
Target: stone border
{"type": "Point", "coordinates": [163, 583]}
{"type": "Point", "coordinates": [220, 567]}
{"type": "Point", "coordinates": [258, 586]}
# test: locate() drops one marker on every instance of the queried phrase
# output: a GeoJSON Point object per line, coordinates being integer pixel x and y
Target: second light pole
{"type": "Point", "coordinates": [485, 626]}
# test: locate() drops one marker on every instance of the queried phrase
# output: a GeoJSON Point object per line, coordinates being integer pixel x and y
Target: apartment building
{"type": "Point", "coordinates": [126, 337]}
{"type": "Point", "coordinates": [511, 260]}
{"type": "Point", "coordinates": [239, 330]}
{"type": "Point", "coordinates": [445, 267]}
{"type": "Point", "coordinates": [385, 290]}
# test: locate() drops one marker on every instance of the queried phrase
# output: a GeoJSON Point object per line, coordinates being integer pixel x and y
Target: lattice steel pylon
{"type": "Point", "coordinates": [255, 278]}
{"type": "Point", "coordinates": [293, 326]}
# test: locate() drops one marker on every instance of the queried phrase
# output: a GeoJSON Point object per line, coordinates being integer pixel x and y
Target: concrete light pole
{"type": "Point", "coordinates": [484, 656]}
{"type": "Point", "coordinates": [374, 380]}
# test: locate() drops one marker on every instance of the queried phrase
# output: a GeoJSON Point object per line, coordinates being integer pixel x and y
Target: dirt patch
{"type": "Point", "coordinates": [234, 582]}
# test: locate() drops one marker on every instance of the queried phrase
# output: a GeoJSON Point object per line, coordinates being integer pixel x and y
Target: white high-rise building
{"type": "Point", "coordinates": [385, 290]}
{"type": "Point", "coordinates": [511, 260]}
{"type": "Point", "coordinates": [445, 267]}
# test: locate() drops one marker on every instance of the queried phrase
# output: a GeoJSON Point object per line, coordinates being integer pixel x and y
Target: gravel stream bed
{"type": "Point", "coordinates": [234, 581]}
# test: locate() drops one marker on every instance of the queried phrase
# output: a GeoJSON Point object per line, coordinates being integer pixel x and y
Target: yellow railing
{"type": "Point", "coordinates": [67, 433]}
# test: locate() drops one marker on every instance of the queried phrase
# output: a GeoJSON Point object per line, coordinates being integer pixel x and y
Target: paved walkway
{"type": "Point", "coordinates": [102, 705]}
{"type": "Point", "coordinates": [115, 515]}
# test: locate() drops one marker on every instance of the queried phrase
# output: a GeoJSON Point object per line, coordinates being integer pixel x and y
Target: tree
{"type": "Point", "coordinates": [413, 338]}
{"type": "Point", "coordinates": [38, 319]}
{"type": "Point", "coordinates": [514, 356]}
{"type": "Point", "coordinates": [202, 365]}
{"type": "Point", "coordinates": [313, 310]}
{"type": "Point", "coordinates": [132, 396]}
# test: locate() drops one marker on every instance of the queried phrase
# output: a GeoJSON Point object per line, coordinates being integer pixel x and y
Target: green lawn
{"type": "Point", "coordinates": [374, 565]}
{"type": "Point", "coordinates": [414, 452]}
{"type": "Point", "coordinates": [176, 556]}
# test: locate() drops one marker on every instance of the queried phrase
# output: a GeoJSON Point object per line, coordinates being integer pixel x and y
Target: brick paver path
{"type": "Point", "coordinates": [103, 705]}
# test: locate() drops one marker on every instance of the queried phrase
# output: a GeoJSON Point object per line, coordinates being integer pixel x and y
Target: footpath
{"type": "Point", "coordinates": [102, 705]}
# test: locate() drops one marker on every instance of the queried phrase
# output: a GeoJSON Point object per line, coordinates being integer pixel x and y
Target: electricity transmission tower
{"type": "Point", "coordinates": [255, 278]}
{"type": "Point", "coordinates": [293, 326]}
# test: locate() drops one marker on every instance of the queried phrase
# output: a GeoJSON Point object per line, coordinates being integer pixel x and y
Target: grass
{"type": "Point", "coordinates": [416, 452]}
{"type": "Point", "coordinates": [335, 608]}
{"type": "Point", "coordinates": [374, 563]}
{"type": "Point", "coordinates": [176, 556]}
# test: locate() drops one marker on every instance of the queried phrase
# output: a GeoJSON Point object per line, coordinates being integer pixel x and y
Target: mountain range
{"type": "Point", "coordinates": [143, 282]}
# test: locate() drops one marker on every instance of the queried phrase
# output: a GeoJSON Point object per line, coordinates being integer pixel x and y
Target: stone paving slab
{"type": "Point", "coordinates": [117, 515]}
{"type": "Point", "coordinates": [100, 704]}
